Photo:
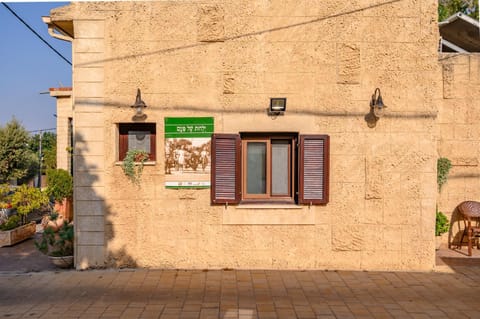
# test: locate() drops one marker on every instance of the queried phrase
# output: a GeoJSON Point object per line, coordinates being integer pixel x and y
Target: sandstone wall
{"type": "Point", "coordinates": [226, 59]}
{"type": "Point", "coordinates": [459, 125]}
{"type": "Point", "coordinates": [63, 114]}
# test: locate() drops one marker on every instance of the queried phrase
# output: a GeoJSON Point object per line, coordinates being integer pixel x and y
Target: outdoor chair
{"type": "Point", "coordinates": [470, 212]}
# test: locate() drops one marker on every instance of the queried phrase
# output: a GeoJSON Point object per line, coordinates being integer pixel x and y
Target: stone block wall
{"type": "Point", "coordinates": [459, 137]}
{"type": "Point", "coordinates": [226, 59]}
{"type": "Point", "coordinates": [64, 115]}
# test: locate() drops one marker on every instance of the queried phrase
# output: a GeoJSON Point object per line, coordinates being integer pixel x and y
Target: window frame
{"type": "Point", "coordinates": [310, 185]}
{"type": "Point", "coordinates": [267, 138]}
{"type": "Point", "coordinates": [124, 128]}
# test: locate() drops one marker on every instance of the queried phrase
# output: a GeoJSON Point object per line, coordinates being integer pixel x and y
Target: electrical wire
{"type": "Point", "coordinates": [34, 32]}
{"type": "Point", "coordinates": [43, 130]}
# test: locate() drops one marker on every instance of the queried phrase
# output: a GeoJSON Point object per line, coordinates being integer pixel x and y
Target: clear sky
{"type": "Point", "coordinates": [28, 67]}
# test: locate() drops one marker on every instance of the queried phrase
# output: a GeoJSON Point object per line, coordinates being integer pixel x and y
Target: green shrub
{"type": "Point", "coordinates": [11, 223]}
{"type": "Point", "coordinates": [442, 224]}
{"type": "Point", "coordinates": [56, 242]}
{"type": "Point", "coordinates": [26, 199]}
{"type": "Point", "coordinates": [5, 196]}
{"type": "Point", "coordinates": [59, 184]}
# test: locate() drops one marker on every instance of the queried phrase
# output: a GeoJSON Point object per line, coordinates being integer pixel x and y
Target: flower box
{"type": "Point", "coordinates": [16, 235]}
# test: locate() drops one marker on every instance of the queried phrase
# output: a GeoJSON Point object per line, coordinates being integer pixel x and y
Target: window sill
{"type": "Point", "coordinates": [268, 214]}
{"type": "Point", "coordinates": [147, 163]}
{"type": "Point", "coordinates": [268, 206]}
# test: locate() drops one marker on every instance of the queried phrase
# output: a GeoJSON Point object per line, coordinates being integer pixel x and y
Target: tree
{"type": "Point", "coordinates": [49, 149]}
{"type": "Point", "coordinates": [446, 8]}
{"type": "Point", "coordinates": [15, 155]}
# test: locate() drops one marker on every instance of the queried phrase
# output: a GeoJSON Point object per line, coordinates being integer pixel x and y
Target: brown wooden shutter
{"type": "Point", "coordinates": [123, 142]}
{"type": "Point", "coordinates": [226, 165]}
{"type": "Point", "coordinates": [313, 169]}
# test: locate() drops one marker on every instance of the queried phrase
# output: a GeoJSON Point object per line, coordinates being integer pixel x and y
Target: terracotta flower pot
{"type": "Point", "coordinates": [54, 224]}
{"type": "Point", "coordinates": [64, 208]}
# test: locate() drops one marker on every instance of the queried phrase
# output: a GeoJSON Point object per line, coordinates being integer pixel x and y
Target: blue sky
{"type": "Point", "coordinates": [29, 67]}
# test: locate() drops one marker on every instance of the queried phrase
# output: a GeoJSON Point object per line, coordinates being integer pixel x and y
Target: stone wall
{"type": "Point", "coordinates": [225, 59]}
{"type": "Point", "coordinates": [459, 126]}
{"type": "Point", "coordinates": [64, 114]}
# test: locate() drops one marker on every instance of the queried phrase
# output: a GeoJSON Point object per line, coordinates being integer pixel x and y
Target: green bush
{"type": "Point", "coordinates": [11, 223]}
{"type": "Point", "coordinates": [56, 242]}
{"type": "Point", "coordinates": [26, 199]}
{"type": "Point", "coordinates": [59, 184]}
{"type": "Point", "coordinates": [5, 196]}
{"type": "Point", "coordinates": [442, 224]}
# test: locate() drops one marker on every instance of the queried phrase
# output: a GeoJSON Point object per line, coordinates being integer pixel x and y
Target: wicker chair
{"type": "Point", "coordinates": [470, 211]}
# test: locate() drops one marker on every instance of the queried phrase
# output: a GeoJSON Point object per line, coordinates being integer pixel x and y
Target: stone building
{"type": "Point", "coordinates": [321, 184]}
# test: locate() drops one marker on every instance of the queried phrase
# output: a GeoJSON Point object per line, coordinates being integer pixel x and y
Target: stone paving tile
{"type": "Point", "coordinates": [242, 294]}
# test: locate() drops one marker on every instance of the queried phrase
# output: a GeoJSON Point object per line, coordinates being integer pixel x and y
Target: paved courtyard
{"type": "Point", "coordinates": [30, 287]}
{"type": "Point", "coordinates": [242, 294]}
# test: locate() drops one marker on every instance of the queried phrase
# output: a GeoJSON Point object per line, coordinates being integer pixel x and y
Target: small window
{"type": "Point", "coordinates": [277, 167]}
{"type": "Point", "coordinates": [137, 136]}
{"type": "Point", "coordinates": [268, 166]}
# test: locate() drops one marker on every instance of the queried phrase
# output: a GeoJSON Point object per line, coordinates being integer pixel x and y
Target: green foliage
{"type": "Point", "coordinates": [5, 196]}
{"type": "Point", "coordinates": [133, 164]}
{"type": "Point", "coordinates": [49, 149]}
{"type": "Point", "coordinates": [59, 184]}
{"type": "Point", "coordinates": [26, 199]}
{"type": "Point", "coordinates": [442, 225]}
{"type": "Point", "coordinates": [57, 242]}
{"type": "Point", "coordinates": [15, 156]}
{"type": "Point", "coordinates": [443, 167]}
{"type": "Point", "coordinates": [11, 223]}
{"type": "Point", "coordinates": [446, 8]}
{"type": "Point", "coordinates": [50, 158]}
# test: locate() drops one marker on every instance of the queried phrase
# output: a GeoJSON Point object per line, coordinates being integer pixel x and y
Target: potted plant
{"type": "Point", "coordinates": [133, 164]}
{"type": "Point", "coordinates": [441, 226]}
{"type": "Point", "coordinates": [60, 188]}
{"type": "Point", "coordinates": [57, 240]}
{"type": "Point", "coordinates": [15, 228]}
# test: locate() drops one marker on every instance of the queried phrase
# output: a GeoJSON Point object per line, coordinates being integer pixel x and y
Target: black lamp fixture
{"type": "Point", "coordinates": [139, 105]}
{"type": "Point", "coordinates": [376, 104]}
{"type": "Point", "coordinates": [278, 106]}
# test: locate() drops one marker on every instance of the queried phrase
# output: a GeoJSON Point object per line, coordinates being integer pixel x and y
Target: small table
{"type": "Point", "coordinates": [469, 210]}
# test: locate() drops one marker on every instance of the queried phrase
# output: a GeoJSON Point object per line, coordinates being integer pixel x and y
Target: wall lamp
{"type": "Point", "coordinates": [376, 104]}
{"type": "Point", "coordinates": [139, 105]}
{"type": "Point", "coordinates": [278, 106]}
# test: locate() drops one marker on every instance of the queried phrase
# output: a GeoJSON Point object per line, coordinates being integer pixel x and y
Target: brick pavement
{"type": "Point", "coordinates": [30, 287]}
{"type": "Point", "coordinates": [242, 294]}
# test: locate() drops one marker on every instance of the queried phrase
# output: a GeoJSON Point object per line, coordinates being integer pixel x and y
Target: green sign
{"type": "Point", "coordinates": [189, 127]}
{"type": "Point", "coordinates": [187, 152]}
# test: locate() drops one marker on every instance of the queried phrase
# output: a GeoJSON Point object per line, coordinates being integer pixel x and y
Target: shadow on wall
{"type": "Point", "coordinates": [94, 225]}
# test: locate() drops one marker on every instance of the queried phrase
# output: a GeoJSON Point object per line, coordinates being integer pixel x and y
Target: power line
{"type": "Point", "coordinates": [35, 32]}
{"type": "Point", "coordinates": [43, 130]}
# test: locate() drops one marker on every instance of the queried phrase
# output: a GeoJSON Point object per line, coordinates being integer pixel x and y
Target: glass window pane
{"type": "Point", "coordinates": [280, 169]}
{"type": "Point", "coordinates": [139, 140]}
{"type": "Point", "coordinates": [256, 168]}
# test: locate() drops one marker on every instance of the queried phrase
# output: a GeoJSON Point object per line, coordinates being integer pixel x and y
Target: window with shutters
{"type": "Point", "coordinates": [264, 168]}
{"type": "Point", "coordinates": [139, 136]}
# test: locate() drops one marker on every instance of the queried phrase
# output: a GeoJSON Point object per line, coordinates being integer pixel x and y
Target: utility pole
{"type": "Point", "coordinates": [40, 159]}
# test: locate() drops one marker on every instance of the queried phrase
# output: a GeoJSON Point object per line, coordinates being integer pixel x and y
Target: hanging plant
{"type": "Point", "coordinates": [133, 164]}
{"type": "Point", "coordinates": [443, 167]}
